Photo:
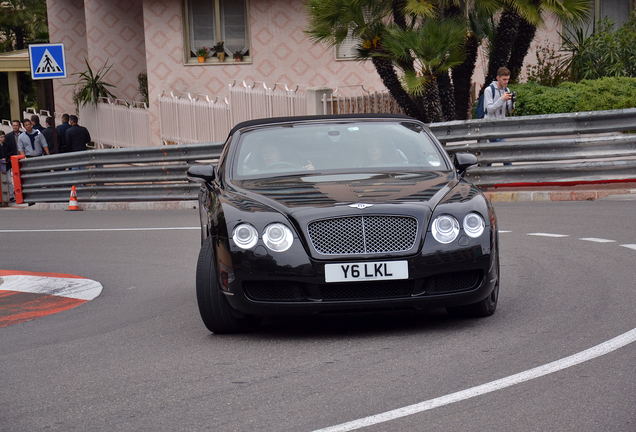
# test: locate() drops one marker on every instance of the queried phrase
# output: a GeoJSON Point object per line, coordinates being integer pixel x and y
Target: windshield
{"type": "Point", "coordinates": [336, 148]}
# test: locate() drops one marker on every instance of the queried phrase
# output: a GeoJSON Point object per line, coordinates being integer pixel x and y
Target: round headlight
{"type": "Point", "coordinates": [474, 225]}
{"type": "Point", "coordinates": [278, 237]}
{"type": "Point", "coordinates": [245, 236]}
{"type": "Point", "coordinates": [445, 228]}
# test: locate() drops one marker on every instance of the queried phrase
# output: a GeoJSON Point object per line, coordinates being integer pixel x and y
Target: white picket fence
{"type": "Point", "coordinates": [117, 123]}
{"type": "Point", "coordinates": [357, 100]}
{"type": "Point", "coordinates": [184, 119]}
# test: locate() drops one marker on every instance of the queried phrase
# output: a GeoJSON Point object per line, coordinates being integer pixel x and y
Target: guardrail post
{"type": "Point", "coordinates": [17, 182]}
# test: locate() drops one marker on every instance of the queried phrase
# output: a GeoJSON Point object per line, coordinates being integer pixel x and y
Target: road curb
{"type": "Point", "coordinates": [578, 195]}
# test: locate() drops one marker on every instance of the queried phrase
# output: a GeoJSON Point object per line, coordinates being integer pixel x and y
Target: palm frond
{"type": "Point", "coordinates": [422, 8]}
{"type": "Point", "coordinates": [569, 11]}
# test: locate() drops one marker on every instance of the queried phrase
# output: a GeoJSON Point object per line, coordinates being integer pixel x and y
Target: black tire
{"type": "Point", "coordinates": [481, 309]}
{"type": "Point", "coordinates": [216, 313]}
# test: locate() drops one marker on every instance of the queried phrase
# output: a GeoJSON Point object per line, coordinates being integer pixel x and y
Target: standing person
{"type": "Point", "coordinates": [4, 156]}
{"type": "Point", "coordinates": [61, 134]}
{"type": "Point", "coordinates": [2, 138]}
{"type": "Point", "coordinates": [76, 136]}
{"type": "Point", "coordinates": [32, 143]}
{"type": "Point", "coordinates": [48, 134]}
{"type": "Point", "coordinates": [498, 99]}
{"type": "Point", "coordinates": [10, 148]}
{"type": "Point", "coordinates": [11, 140]}
{"type": "Point", "coordinates": [35, 121]}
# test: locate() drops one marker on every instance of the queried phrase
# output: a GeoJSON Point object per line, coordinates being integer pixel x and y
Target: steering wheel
{"type": "Point", "coordinates": [281, 164]}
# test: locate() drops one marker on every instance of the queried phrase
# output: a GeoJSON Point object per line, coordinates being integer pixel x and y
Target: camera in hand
{"type": "Point", "coordinates": [513, 98]}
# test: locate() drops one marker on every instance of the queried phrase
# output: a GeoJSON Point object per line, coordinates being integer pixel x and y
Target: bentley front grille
{"type": "Point", "coordinates": [363, 234]}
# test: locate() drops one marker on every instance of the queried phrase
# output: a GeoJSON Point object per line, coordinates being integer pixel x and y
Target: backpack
{"type": "Point", "coordinates": [480, 111]}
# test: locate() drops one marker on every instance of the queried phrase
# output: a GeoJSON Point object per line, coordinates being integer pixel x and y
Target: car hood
{"type": "Point", "coordinates": [315, 192]}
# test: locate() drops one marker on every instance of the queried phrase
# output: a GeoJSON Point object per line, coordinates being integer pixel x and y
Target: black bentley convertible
{"type": "Point", "coordinates": [318, 214]}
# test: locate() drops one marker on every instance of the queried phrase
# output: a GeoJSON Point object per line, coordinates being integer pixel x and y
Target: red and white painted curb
{"type": "Point", "coordinates": [28, 295]}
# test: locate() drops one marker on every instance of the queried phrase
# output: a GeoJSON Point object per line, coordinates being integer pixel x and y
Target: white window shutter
{"type": "Point", "coordinates": [348, 48]}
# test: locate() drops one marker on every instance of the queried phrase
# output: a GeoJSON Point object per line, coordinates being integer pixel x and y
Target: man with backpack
{"type": "Point", "coordinates": [497, 97]}
{"type": "Point", "coordinates": [498, 100]}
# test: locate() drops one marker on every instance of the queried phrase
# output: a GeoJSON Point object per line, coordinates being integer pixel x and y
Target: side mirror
{"type": "Point", "coordinates": [463, 161]}
{"type": "Point", "coordinates": [201, 173]}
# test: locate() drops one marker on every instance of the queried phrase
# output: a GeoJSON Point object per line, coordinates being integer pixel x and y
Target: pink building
{"type": "Point", "coordinates": [160, 37]}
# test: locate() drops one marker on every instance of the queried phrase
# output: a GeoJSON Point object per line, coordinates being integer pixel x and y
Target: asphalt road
{"type": "Point", "coordinates": [139, 358]}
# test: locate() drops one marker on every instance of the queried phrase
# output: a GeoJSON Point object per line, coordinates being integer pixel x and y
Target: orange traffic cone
{"type": "Point", "coordinates": [72, 204]}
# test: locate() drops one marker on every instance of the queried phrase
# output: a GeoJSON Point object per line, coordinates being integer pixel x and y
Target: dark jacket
{"type": "Point", "coordinates": [76, 138]}
{"type": "Point", "coordinates": [61, 135]}
{"type": "Point", "coordinates": [48, 134]}
{"type": "Point", "coordinates": [10, 146]}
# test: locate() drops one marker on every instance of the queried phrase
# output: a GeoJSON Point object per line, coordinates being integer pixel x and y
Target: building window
{"type": "Point", "coordinates": [211, 21]}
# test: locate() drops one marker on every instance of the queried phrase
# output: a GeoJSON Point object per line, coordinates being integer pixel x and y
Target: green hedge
{"type": "Point", "coordinates": [588, 95]}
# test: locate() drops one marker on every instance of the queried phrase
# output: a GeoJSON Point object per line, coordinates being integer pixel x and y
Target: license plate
{"type": "Point", "coordinates": [366, 271]}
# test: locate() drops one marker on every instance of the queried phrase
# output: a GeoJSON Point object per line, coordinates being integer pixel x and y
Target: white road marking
{"type": "Point", "coordinates": [631, 246]}
{"type": "Point", "coordinates": [77, 288]}
{"type": "Point", "coordinates": [98, 229]}
{"type": "Point", "coordinates": [598, 240]}
{"type": "Point", "coordinates": [573, 360]}
{"type": "Point", "coordinates": [501, 231]}
{"type": "Point", "coordinates": [548, 235]}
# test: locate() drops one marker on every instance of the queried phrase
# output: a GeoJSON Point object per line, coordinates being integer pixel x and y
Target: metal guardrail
{"type": "Point", "coordinates": [548, 125]}
{"type": "Point", "coordinates": [130, 174]}
{"type": "Point", "coordinates": [558, 152]}
{"type": "Point", "coordinates": [564, 160]}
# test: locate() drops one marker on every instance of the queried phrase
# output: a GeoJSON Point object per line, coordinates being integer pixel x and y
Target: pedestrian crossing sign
{"type": "Point", "coordinates": [47, 61]}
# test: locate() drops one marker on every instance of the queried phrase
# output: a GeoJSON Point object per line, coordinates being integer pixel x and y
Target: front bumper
{"type": "Point", "coordinates": [292, 283]}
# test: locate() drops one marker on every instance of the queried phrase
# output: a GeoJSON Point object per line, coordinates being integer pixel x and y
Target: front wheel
{"type": "Point", "coordinates": [217, 314]}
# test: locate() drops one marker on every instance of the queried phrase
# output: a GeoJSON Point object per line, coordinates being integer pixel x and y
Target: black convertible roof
{"type": "Point", "coordinates": [273, 120]}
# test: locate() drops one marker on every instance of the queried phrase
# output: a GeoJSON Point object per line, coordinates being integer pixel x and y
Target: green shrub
{"type": "Point", "coordinates": [605, 52]}
{"type": "Point", "coordinates": [588, 95]}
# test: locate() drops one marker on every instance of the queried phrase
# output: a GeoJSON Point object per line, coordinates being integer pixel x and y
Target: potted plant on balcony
{"type": "Point", "coordinates": [238, 55]}
{"type": "Point", "coordinates": [219, 49]}
{"type": "Point", "coordinates": [202, 53]}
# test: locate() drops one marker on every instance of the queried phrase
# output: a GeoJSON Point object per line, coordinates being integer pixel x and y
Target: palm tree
{"type": "Point", "coordinates": [22, 21]}
{"type": "Point", "coordinates": [462, 77]}
{"type": "Point", "coordinates": [479, 28]}
{"type": "Point", "coordinates": [333, 21]}
{"type": "Point", "coordinates": [369, 21]}
{"type": "Point", "coordinates": [517, 28]}
{"type": "Point", "coordinates": [437, 45]}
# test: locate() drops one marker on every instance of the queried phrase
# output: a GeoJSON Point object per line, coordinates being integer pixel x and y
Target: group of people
{"type": "Point", "coordinates": [35, 140]}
